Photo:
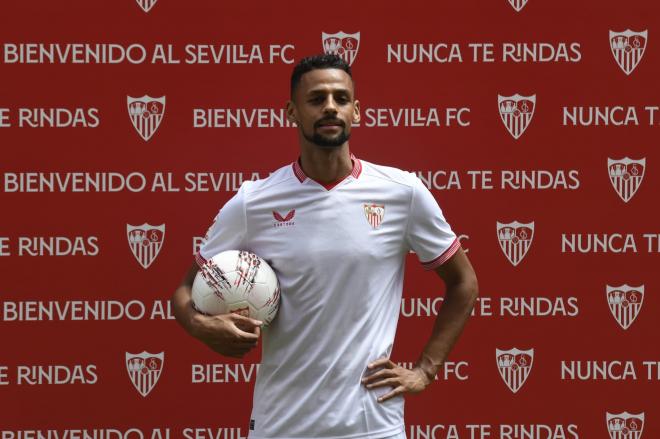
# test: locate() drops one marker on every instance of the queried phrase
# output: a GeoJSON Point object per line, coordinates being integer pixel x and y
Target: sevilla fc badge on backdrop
{"type": "Point", "coordinates": [342, 44]}
{"type": "Point", "coordinates": [628, 48]}
{"type": "Point", "coordinates": [145, 242]}
{"type": "Point", "coordinates": [515, 240]}
{"type": "Point", "coordinates": [146, 114]}
{"type": "Point", "coordinates": [516, 112]}
{"type": "Point", "coordinates": [146, 5]}
{"type": "Point", "coordinates": [144, 369]}
{"type": "Point", "coordinates": [625, 425]}
{"type": "Point", "coordinates": [514, 366]}
{"type": "Point", "coordinates": [626, 176]}
{"type": "Point", "coordinates": [625, 302]}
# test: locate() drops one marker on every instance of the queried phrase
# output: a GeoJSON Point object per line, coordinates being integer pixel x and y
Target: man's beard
{"type": "Point", "coordinates": [327, 142]}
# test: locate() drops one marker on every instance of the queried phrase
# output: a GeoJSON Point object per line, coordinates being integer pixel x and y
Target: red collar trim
{"type": "Point", "coordinates": [355, 173]}
{"type": "Point", "coordinates": [297, 170]}
{"type": "Point", "coordinates": [357, 167]}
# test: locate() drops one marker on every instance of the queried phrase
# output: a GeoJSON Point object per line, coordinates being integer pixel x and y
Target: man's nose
{"type": "Point", "coordinates": [330, 106]}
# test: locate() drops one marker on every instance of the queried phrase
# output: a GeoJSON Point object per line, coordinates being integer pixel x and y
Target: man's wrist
{"type": "Point", "coordinates": [428, 367]}
{"type": "Point", "coordinates": [423, 375]}
{"type": "Point", "coordinates": [194, 322]}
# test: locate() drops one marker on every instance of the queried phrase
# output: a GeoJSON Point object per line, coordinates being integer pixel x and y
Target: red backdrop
{"type": "Point", "coordinates": [575, 288]}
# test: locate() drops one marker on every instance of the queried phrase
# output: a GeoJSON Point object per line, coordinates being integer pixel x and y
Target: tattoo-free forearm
{"type": "Point", "coordinates": [452, 316]}
{"type": "Point", "coordinates": [182, 302]}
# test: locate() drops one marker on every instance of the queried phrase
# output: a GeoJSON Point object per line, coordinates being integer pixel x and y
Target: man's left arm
{"type": "Point", "coordinates": [461, 293]}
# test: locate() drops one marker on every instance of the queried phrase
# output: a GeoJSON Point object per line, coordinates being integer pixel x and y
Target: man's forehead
{"type": "Point", "coordinates": [325, 79]}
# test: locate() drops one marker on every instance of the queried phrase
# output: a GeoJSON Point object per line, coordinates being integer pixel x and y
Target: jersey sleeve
{"type": "Point", "coordinates": [428, 234]}
{"type": "Point", "coordinates": [228, 230]}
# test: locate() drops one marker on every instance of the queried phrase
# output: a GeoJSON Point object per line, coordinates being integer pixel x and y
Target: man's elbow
{"type": "Point", "coordinates": [467, 286]}
{"type": "Point", "coordinates": [472, 288]}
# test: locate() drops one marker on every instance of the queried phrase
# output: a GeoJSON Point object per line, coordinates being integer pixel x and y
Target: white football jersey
{"type": "Point", "coordinates": [339, 252]}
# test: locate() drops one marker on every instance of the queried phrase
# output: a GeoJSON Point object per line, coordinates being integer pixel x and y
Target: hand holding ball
{"type": "Point", "coordinates": [237, 282]}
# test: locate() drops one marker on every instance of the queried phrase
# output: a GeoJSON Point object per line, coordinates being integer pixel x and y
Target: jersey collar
{"type": "Point", "coordinates": [300, 174]}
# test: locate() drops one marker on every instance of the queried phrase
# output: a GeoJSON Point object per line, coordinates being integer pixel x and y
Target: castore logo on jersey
{"type": "Point", "coordinates": [286, 220]}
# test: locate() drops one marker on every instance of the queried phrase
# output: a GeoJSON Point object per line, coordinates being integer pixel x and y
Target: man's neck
{"type": "Point", "coordinates": [326, 165]}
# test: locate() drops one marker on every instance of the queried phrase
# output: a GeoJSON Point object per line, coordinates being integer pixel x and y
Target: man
{"type": "Point", "coordinates": [336, 230]}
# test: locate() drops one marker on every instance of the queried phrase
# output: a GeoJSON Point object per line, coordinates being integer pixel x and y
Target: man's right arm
{"type": "Point", "coordinates": [228, 334]}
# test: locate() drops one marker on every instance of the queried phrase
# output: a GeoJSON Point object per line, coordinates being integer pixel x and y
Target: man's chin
{"type": "Point", "coordinates": [325, 144]}
{"type": "Point", "coordinates": [329, 142]}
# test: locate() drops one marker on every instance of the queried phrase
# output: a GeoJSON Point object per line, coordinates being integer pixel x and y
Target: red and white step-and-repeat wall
{"type": "Point", "coordinates": [125, 125]}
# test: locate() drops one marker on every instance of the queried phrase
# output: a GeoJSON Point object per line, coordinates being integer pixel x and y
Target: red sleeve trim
{"type": "Point", "coordinates": [435, 263]}
{"type": "Point", "coordinates": [200, 259]}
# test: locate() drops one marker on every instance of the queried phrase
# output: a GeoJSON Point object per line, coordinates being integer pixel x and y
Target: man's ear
{"type": "Point", "coordinates": [291, 114]}
{"type": "Point", "coordinates": [356, 111]}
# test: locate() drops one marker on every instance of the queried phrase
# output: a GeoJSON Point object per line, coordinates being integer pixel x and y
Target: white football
{"type": "Point", "coordinates": [237, 281]}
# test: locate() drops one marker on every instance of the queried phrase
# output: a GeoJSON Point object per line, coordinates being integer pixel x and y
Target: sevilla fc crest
{"type": "Point", "coordinates": [374, 214]}
{"type": "Point", "coordinates": [515, 239]}
{"type": "Point", "coordinates": [514, 366]}
{"type": "Point", "coordinates": [146, 5]}
{"type": "Point", "coordinates": [516, 112]}
{"type": "Point", "coordinates": [342, 44]}
{"type": "Point", "coordinates": [626, 176]}
{"type": "Point", "coordinates": [625, 425]}
{"type": "Point", "coordinates": [145, 242]}
{"type": "Point", "coordinates": [144, 370]}
{"type": "Point", "coordinates": [518, 4]}
{"type": "Point", "coordinates": [625, 302]}
{"type": "Point", "coordinates": [146, 113]}
{"type": "Point", "coordinates": [628, 48]}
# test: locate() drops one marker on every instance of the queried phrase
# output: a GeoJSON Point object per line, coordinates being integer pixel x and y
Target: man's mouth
{"type": "Point", "coordinates": [330, 123]}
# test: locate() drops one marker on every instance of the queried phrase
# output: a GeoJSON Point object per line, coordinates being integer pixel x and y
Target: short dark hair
{"type": "Point", "coordinates": [317, 62]}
